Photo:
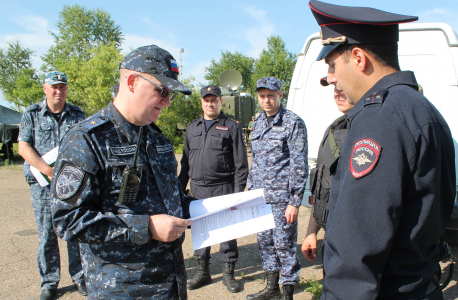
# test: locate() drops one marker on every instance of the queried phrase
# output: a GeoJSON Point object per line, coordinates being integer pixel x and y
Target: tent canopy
{"type": "Point", "coordinates": [9, 120]}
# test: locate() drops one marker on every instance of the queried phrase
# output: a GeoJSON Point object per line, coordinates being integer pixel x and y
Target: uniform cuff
{"type": "Point", "coordinates": [24, 139]}
{"type": "Point", "coordinates": [295, 201]}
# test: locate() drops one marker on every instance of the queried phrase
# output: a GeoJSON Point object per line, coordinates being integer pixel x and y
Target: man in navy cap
{"type": "Point", "coordinates": [215, 159]}
{"type": "Point", "coordinates": [279, 165]}
{"type": "Point", "coordinates": [43, 126]}
{"type": "Point", "coordinates": [394, 185]}
{"type": "Point", "coordinates": [116, 191]}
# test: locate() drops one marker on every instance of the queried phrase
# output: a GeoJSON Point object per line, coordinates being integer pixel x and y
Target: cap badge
{"type": "Point", "coordinates": [209, 89]}
{"type": "Point", "coordinates": [93, 122]}
{"type": "Point", "coordinates": [59, 77]}
{"type": "Point", "coordinates": [329, 41]}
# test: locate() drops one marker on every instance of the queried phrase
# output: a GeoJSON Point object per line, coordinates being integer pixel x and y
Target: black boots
{"type": "Point", "coordinates": [287, 292]}
{"type": "Point", "coordinates": [202, 276]}
{"type": "Point", "coordinates": [228, 278]}
{"type": "Point", "coordinates": [271, 291]}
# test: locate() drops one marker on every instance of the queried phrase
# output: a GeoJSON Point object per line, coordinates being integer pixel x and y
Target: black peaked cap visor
{"type": "Point", "coordinates": [326, 50]}
{"type": "Point", "coordinates": [173, 84]}
{"type": "Point", "coordinates": [359, 25]}
{"type": "Point", "coordinates": [365, 15]}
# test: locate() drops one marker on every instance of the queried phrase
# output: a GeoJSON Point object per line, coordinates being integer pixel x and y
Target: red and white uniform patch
{"type": "Point", "coordinates": [364, 157]}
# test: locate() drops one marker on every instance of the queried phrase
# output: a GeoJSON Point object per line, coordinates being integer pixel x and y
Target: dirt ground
{"type": "Point", "coordinates": [19, 278]}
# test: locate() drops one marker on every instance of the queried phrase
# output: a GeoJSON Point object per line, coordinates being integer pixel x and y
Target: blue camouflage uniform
{"type": "Point", "coordinates": [43, 132]}
{"type": "Point", "coordinates": [279, 165]}
{"type": "Point", "coordinates": [120, 259]}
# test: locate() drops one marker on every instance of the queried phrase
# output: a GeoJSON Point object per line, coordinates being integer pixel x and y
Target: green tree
{"type": "Point", "coordinates": [19, 81]}
{"type": "Point", "coordinates": [80, 31]}
{"type": "Point", "coordinates": [276, 61]}
{"type": "Point", "coordinates": [91, 81]}
{"type": "Point", "coordinates": [228, 60]}
{"type": "Point", "coordinates": [174, 119]}
{"type": "Point", "coordinates": [87, 49]}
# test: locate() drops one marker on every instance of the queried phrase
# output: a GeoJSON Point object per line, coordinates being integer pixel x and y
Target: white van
{"type": "Point", "coordinates": [430, 50]}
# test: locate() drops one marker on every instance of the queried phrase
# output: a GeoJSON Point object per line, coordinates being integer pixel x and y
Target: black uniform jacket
{"type": "Point", "coordinates": [391, 197]}
{"type": "Point", "coordinates": [214, 157]}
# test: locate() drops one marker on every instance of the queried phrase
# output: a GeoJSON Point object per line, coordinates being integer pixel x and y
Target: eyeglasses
{"type": "Point", "coordinates": [164, 91]}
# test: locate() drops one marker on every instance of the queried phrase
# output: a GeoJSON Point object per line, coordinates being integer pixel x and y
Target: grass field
{"type": "Point", "coordinates": [16, 159]}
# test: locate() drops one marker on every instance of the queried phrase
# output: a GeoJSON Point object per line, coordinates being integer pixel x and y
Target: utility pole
{"type": "Point", "coordinates": [181, 64]}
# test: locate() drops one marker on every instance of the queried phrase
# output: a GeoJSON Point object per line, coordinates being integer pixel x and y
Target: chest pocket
{"type": "Point", "coordinates": [44, 134]}
{"type": "Point", "coordinates": [278, 141]}
{"type": "Point", "coordinates": [195, 140]}
{"type": "Point", "coordinates": [116, 168]}
{"type": "Point", "coordinates": [219, 140]}
{"type": "Point", "coordinates": [254, 142]}
{"type": "Point", "coordinates": [166, 156]}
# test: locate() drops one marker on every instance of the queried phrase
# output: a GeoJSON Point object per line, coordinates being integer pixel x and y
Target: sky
{"type": "Point", "coordinates": [202, 28]}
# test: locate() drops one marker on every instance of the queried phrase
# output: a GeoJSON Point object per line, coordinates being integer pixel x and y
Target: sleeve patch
{"type": "Point", "coordinates": [68, 182]}
{"type": "Point", "coordinates": [364, 157]}
{"type": "Point", "coordinates": [299, 143]}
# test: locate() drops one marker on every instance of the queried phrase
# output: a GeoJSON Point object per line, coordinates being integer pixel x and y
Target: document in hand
{"type": "Point", "coordinates": [214, 222]}
{"type": "Point", "coordinates": [50, 159]}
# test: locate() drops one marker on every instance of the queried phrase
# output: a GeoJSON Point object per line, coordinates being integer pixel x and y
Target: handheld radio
{"type": "Point", "coordinates": [131, 177]}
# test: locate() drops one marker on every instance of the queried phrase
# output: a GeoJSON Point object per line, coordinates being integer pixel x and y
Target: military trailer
{"type": "Point", "coordinates": [240, 107]}
{"type": "Point", "coordinates": [430, 50]}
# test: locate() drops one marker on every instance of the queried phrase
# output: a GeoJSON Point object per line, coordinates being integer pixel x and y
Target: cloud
{"type": "Point", "coordinates": [132, 41]}
{"type": "Point", "coordinates": [34, 35]}
{"type": "Point", "coordinates": [198, 72]}
{"type": "Point", "coordinates": [439, 14]}
{"type": "Point", "coordinates": [167, 39]}
{"type": "Point", "coordinates": [257, 34]}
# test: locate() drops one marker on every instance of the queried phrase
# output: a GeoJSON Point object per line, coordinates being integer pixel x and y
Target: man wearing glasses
{"type": "Point", "coordinates": [115, 188]}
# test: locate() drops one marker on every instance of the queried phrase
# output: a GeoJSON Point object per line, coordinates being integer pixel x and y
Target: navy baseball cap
{"type": "Point", "coordinates": [355, 25]}
{"type": "Point", "coordinates": [55, 77]}
{"type": "Point", "coordinates": [157, 62]}
{"type": "Point", "coordinates": [271, 83]}
{"type": "Point", "coordinates": [210, 90]}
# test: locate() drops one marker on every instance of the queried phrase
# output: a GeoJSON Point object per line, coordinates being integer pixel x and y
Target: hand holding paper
{"type": "Point", "coordinates": [215, 221]}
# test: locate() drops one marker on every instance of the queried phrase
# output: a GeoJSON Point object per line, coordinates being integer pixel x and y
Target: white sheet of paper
{"type": "Point", "coordinates": [204, 207]}
{"type": "Point", "coordinates": [251, 216]}
{"type": "Point", "coordinates": [48, 158]}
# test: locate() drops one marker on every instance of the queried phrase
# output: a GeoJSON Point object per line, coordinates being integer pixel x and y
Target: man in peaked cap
{"type": "Point", "coordinates": [43, 126]}
{"type": "Point", "coordinates": [279, 165]}
{"type": "Point", "coordinates": [115, 188]}
{"type": "Point", "coordinates": [393, 187]}
{"type": "Point", "coordinates": [215, 159]}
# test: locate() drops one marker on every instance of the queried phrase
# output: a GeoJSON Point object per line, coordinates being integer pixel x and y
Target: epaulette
{"type": "Point", "coordinates": [193, 121]}
{"type": "Point", "coordinates": [91, 123]}
{"type": "Point", "coordinates": [33, 106]}
{"type": "Point", "coordinates": [235, 121]}
{"type": "Point", "coordinates": [155, 127]}
{"type": "Point", "coordinates": [76, 107]}
{"type": "Point", "coordinates": [376, 98]}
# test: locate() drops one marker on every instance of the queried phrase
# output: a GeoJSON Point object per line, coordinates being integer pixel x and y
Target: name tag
{"type": "Point", "coordinates": [127, 150]}
{"type": "Point", "coordinates": [164, 148]}
{"type": "Point", "coordinates": [222, 128]}
{"type": "Point", "coordinates": [279, 129]}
